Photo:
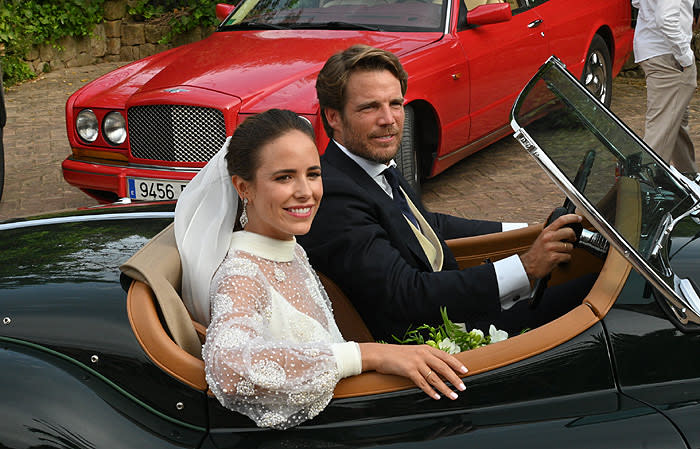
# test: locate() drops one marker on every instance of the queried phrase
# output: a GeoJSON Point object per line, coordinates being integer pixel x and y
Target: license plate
{"type": "Point", "coordinates": [154, 189]}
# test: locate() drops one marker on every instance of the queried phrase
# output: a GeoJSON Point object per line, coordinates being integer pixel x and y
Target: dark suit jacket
{"type": "Point", "coordinates": [361, 240]}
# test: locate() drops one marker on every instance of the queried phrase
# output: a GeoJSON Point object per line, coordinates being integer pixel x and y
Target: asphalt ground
{"type": "Point", "coordinates": [501, 182]}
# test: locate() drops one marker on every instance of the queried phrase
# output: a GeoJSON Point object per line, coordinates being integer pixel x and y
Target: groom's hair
{"type": "Point", "coordinates": [332, 81]}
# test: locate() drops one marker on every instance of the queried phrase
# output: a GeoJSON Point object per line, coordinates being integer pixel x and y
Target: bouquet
{"type": "Point", "coordinates": [451, 337]}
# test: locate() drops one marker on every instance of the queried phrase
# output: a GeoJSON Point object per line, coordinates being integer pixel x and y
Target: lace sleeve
{"type": "Point", "coordinates": [276, 382]}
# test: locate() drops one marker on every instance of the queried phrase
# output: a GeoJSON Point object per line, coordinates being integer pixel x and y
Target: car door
{"type": "Point", "coordinates": [502, 57]}
{"type": "Point", "coordinates": [563, 397]}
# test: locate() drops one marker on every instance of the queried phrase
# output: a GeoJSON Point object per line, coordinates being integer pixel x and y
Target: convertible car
{"type": "Point", "coordinates": [95, 357]}
{"type": "Point", "coordinates": [144, 130]}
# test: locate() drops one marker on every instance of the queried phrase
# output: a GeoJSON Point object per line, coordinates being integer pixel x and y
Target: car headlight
{"type": "Point", "coordinates": [86, 125]}
{"type": "Point", "coordinates": [114, 128]}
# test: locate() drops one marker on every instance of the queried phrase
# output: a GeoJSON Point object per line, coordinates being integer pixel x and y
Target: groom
{"type": "Point", "coordinates": [374, 238]}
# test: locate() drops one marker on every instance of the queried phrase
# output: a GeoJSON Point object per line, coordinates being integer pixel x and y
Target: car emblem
{"type": "Point", "coordinates": [174, 90]}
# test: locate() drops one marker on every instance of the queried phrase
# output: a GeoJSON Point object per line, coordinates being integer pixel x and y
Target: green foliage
{"type": "Point", "coordinates": [449, 336]}
{"type": "Point", "coordinates": [24, 23]}
{"type": "Point", "coordinates": [180, 15]}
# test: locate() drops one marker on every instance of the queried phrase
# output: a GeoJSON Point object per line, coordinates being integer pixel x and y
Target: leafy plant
{"type": "Point", "coordinates": [180, 15]}
{"type": "Point", "coordinates": [449, 336]}
{"type": "Point", "coordinates": [24, 23]}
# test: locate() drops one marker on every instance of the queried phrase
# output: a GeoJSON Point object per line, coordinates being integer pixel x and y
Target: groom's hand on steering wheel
{"type": "Point", "coordinates": [552, 247]}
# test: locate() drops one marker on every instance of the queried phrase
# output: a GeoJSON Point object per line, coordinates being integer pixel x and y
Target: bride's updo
{"type": "Point", "coordinates": [243, 153]}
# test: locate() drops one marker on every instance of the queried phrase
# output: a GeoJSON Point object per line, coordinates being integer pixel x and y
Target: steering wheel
{"type": "Point", "coordinates": [580, 181]}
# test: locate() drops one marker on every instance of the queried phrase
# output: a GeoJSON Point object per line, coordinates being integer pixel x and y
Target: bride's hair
{"type": "Point", "coordinates": [243, 153]}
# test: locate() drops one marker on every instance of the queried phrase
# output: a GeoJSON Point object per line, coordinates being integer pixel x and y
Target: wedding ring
{"type": "Point", "coordinates": [430, 372]}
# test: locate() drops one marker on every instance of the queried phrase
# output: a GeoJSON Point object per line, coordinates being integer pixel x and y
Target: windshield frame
{"type": "Point", "coordinates": [682, 309]}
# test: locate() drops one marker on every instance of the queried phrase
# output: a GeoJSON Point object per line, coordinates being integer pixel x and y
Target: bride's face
{"type": "Point", "coordinates": [286, 191]}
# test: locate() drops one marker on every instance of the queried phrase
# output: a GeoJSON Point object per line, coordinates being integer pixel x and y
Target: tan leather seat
{"type": "Point", "coordinates": [351, 325]}
{"type": "Point", "coordinates": [471, 4]}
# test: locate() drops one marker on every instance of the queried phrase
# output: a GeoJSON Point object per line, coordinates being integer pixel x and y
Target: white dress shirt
{"type": "Point", "coordinates": [512, 280]}
{"type": "Point", "coordinates": [664, 27]}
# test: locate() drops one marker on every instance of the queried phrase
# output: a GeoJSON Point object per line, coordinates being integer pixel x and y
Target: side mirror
{"type": "Point", "coordinates": [223, 10]}
{"type": "Point", "coordinates": [486, 14]}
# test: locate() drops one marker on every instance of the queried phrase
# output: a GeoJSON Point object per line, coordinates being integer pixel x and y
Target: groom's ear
{"type": "Point", "coordinates": [333, 118]}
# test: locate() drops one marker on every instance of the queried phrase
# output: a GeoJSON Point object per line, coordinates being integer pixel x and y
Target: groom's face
{"type": "Point", "coordinates": [371, 122]}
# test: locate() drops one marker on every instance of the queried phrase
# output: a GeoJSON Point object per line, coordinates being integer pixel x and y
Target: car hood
{"type": "Point", "coordinates": [238, 66]}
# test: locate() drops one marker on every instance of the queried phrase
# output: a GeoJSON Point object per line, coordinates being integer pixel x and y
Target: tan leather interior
{"type": "Point", "coordinates": [472, 251]}
{"type": "Point", "coordinates": [145, 322]}
{"type": "Point", "coordinates": [157, 265]}
{"type": "Point", "coordinates": [348, 319]}
{"type": "Point", "coordinates": [160, 348]}
{"type": "Point", "coordinates": [471, 4]}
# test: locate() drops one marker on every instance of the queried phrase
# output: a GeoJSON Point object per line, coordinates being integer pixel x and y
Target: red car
{"type": "Point", "coordinates": [142, 131]}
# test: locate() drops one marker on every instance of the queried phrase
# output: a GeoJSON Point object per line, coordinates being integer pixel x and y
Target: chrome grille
{"type": "Point", "coordinates": [176, 133]}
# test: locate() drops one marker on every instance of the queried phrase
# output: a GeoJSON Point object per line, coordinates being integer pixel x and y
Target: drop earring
{"type": "Point", "coordinates": [244, 214]}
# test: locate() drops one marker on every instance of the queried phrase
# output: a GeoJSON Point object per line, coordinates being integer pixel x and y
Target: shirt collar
{"type": "Point", "coordinates": [263, 246]}
{"type": "Point", "coordinates": [372, 168]}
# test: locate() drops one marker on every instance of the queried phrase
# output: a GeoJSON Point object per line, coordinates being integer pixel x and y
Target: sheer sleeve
{"type": "Point", "coordinates": [276, 382]}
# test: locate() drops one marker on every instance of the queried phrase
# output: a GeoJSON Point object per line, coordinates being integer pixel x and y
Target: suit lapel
{"type": "Point", "coordinates": [399, 231]}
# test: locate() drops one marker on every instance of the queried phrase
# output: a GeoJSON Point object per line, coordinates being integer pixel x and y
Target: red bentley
{"type": "Point", "coordinates": [142, 131]}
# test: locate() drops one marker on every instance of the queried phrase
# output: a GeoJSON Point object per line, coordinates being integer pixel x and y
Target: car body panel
{"type": "Point", "coordinates": [462, 81]}
{"type": "Point", "coordinates": [68, 306]}
{"type": "Point", "coordinates": [51, 401]}
{"type": "Point", "coordinates": [45, 304]}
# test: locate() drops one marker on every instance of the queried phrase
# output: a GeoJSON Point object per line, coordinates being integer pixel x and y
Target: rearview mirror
{"type": "Point", "coordinates": [223, 10]}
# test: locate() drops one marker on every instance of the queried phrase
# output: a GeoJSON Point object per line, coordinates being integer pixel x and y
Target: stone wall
{"type": "Point", "coordinates": [118, 38]}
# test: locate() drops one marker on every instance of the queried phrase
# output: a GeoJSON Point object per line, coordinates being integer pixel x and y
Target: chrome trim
{"type": "Point", "coordinates": [84, 218]}
{"type": "Point", "coordinates": [663, 230]}
{"type": "Point", "coordinates": [448, 19]}
{"type": "Point", "coordinates": [129, 165]}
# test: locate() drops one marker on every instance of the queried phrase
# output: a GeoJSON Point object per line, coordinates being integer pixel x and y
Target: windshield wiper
{"type": "Point", "coordinates": [256, 25]}
{"type": "Point", "coordinates": [334, 25]}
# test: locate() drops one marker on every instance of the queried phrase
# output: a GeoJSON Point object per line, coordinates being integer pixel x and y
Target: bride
{"type": "Point", "coordinates": [273, 350]}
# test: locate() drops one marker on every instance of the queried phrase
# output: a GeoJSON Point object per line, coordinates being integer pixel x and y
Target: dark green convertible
{"type": "Point", "coordinates": [93, 358]}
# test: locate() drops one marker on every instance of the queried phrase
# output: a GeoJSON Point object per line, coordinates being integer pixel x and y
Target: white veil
{"type": "Point", "coordinates": [204, 218]}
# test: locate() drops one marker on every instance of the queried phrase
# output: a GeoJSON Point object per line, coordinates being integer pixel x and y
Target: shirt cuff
{"type": "Point", "coordinates": [510, 226]}
{"type": "Point", "coordinates": [348, 358]}
{"type": "Point", "coordinates": [686, 60]}
{"type": "Point", "coordinates": [513, 283]}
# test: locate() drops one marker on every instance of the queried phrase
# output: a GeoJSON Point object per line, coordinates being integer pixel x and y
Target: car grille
{"type": "Point", "coordinates": [175, 133]}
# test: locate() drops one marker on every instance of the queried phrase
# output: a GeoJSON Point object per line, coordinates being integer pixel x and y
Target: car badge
{"type": "Point", "coordinates": [174, 90]}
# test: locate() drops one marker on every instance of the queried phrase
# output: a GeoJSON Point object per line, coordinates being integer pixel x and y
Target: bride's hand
{"type": "Point", "coordinates": [424, 365]}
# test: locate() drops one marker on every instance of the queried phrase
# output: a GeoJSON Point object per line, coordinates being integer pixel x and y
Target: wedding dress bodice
{"type": "Point", "coordinates": [273, 349]}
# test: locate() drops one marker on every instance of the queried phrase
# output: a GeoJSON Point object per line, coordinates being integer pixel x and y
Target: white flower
{"type": "Point", "coordinates": [449, 346]}
{"type": "Point", "coordinates": [478, 332]}
{"type": "Point", "coordinates": [497, 335]}
{"type": "Point", "coordinates": [460, 326]}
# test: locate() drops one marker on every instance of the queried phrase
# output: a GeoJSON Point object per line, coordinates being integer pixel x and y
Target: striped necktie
{"type": "Point", "coordinates": [392, 177]}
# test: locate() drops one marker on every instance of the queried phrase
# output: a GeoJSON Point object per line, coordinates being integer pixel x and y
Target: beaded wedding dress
{"type": "Point", "coordinates": [273, 350]}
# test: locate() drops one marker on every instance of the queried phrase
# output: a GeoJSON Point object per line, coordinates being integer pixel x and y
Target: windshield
{"type": "Point", "coordinates": [631, 196]}
{"type": "Point", "coordinates": [372, 15]}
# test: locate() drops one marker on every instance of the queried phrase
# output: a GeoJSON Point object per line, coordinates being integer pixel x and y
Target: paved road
{"type": "Point", "coordinates": [500, 182]}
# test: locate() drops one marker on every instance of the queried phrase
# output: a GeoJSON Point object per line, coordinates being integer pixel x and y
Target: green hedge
{"type": "Point", "coordinates": [25, 23]}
